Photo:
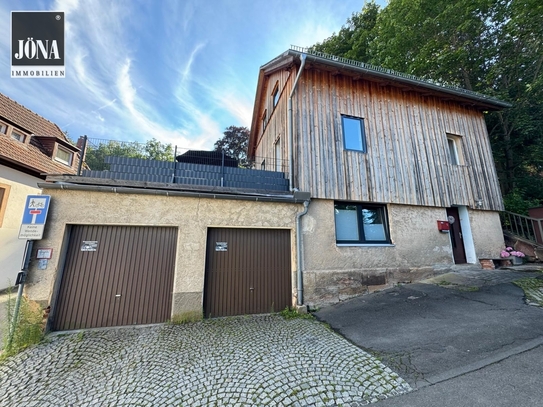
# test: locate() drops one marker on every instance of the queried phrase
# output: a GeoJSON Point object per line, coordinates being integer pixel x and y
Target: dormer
{"type": "Point", "coordinates": [58, 149]}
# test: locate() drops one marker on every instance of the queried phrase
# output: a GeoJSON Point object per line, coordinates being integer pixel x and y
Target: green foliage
{"type": "Point", "coordinates": [186, 317]}
{"type": "Point", "coordinates": [234, 143]}
{"type": "Point", "coordinates": [151, 150]}
{"type": "Point", "coordinates": [491, 46]}
{"type": "Point", "coordinates": [29, 328]}
{"type": "Point", "coordinates": [532, 288]}
{"type": "Point", "coordinates": [516, 203]}
{"type": "Point", "coordinates": [291, 313]}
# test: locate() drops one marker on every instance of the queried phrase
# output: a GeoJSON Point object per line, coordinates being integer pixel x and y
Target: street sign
{"type": "Point", "coordinates": [34, 216]}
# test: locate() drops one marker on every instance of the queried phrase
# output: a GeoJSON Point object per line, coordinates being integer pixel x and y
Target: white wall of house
{"type": "Point", "coordinates": [11, 247]}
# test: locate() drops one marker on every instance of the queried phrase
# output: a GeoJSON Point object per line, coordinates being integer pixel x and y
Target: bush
{"type": "Point", "coordinates": [29, 328]}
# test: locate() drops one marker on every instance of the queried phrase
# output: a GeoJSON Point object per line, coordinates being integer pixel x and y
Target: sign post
{"type": "Point", "coordinates": [32, 227]}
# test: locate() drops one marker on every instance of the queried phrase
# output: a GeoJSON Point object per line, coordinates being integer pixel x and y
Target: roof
{"type": "Point", "coordinates": [32, 156]}
{"type": "Point", "coordinates": [373, 72]}
{"type": "Point", "coordinates": [27, 120]}
{"type": "Point", "coordinates": [370, 72]}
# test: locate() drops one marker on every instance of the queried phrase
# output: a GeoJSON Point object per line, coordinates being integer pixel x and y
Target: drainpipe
{"type": "Point", "coordinates": [300, 281]}
{"type": "Point", "coordinates": [290, 125]}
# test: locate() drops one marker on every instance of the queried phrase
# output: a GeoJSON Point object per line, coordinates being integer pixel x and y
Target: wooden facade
{"type": "Point", "coordinates": [406, 129]}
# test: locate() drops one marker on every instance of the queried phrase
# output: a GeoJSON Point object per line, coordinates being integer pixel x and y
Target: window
{"type": "Point", "coordinates": [361, 223]}
{"type": "Point", "coordinates": [4, 194]}
{"type": "Point", "coordinates": [64, 156]}
{"type": "Point", "coordinates": [454, 144]}
{"type": "Point", "coordinates": [3, 128]}
{"type": "Point", "coordinates": [278, 160]}
{"type": "Point", "coordinates": [264, 120]}
{"type": "Point", "coordinates": [275, 96]}
{"type": "Point", "coordinates": [18, 136]}
{"type": "Point", "coordinates": [353, 133]}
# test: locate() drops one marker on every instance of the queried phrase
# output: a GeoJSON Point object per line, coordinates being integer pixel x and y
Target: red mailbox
{"type": "Point", "coordinates": [443, 226]}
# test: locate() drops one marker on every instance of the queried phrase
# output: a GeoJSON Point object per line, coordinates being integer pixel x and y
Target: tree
{"type": "Point", "coordinates": [235, 143]}
{"type": "Point", "coordinates": [354, 38]}
{"type": "Point", "coordinates": [152, 150]}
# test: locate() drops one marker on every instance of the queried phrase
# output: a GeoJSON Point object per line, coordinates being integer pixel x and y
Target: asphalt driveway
{"type": "Point", "coordinates": [444, 328]}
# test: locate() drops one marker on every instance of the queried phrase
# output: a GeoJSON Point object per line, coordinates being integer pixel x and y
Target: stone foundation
{"type": "Point", "coordinates": [326, 287]}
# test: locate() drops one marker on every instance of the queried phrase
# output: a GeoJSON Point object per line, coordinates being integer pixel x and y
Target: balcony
{"type": "Point", "coordinates": [197, 168]}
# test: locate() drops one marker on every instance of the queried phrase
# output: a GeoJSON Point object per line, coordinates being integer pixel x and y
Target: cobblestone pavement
{"type": "Point", "coordinates": [239, 361]}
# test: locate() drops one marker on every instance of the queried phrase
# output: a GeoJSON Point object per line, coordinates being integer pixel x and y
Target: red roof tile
{"type": "Point", "coordinates": [32, 155]}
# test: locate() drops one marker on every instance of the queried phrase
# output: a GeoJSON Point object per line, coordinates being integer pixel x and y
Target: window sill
{"type": "Point", "coordinates": [365, 245]}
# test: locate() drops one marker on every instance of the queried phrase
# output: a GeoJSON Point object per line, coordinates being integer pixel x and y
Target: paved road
{"type": "Point", "coordinates": [242, 361]}
{"type": "Point", "coordinates": [454, 333]}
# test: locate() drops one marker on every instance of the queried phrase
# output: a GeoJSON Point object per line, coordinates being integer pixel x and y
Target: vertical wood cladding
{"type": "Point", "coordinates": [407, 159]}
{"type": "Point", "coordinates": [127, 280]}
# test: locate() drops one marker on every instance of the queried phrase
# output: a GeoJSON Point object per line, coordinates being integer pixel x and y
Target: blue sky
{"type": "Point", "coordinates": [180, 71]}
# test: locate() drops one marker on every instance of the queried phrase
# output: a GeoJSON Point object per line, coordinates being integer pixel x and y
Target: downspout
{"type": "Point", "coordinates": [300, 281]}
{"type": "Point", "coordinates": [290, 125]}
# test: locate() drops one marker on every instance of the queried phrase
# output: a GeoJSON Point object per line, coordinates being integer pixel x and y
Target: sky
{"type": "Point", "coordinates": [180, 71]}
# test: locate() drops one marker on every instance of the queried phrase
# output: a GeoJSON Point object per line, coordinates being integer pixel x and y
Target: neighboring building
{"type": "Point", "coordinates": [30, 148]}
{"type": "Point", "coordinates": [385, 156]}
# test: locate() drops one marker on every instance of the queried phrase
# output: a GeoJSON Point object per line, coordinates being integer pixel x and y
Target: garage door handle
{"type": "Point", "coordinates": [251, 288]}
{"type": "Point", "coordinates": [117, 295]}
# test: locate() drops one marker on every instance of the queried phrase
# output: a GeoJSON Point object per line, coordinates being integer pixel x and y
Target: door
{"type": "Point", "coordinates": [116, 275]}
{"type": "Point", "coordinates": [248, 271]}
{"type": "Point", "coordinates": [455, 233]}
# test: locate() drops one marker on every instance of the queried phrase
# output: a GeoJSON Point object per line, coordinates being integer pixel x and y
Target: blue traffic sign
{"type": "Point", "coordinates": [34, 217]}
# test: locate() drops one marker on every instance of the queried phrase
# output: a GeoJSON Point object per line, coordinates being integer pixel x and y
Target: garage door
{"type": "Point", "coordinates": [116, 275]}
{"type": "Point", "coordinates": [248, 271]}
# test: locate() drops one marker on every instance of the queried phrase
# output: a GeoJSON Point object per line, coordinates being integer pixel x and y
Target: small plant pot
{"type": "Point", "coordinates": [516, 261]}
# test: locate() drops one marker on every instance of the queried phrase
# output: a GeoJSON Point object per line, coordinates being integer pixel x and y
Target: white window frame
{"type": "Point", "coordinates": [62, 160]}
{"type": "Point", "coordinates": [454, 146]}
{"type": "Point", "coordinates": [277, 155]}
{"type": "Point", "coordinates": [21, 136]}
{"type": "Point", "coordinates": [275, 96]}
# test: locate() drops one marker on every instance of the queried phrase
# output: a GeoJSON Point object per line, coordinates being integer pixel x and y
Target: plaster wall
{"type": "Point", "coordinates": [334, 272]}
{"type": "Point", "coordinates": [192, 217]}
{"type": "Point", "coordinates": [487, 233]}
{"type": "Point", "coordinates": [11, 247]}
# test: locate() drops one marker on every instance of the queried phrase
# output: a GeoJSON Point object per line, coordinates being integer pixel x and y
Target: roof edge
{"type": "Point", "coordinates": [390, 74]}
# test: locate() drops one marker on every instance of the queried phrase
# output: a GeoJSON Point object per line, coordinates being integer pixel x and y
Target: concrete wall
{"type": "Point", "coordinates": [191, 215]}
{"type": "Point", "coordinates": [334, 273]}
{"type": "Point", "coordinates": [11, 248]}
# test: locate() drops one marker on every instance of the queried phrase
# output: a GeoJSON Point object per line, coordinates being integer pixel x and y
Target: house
{"type": "Point", "coordinates": [399, 170]}
{"type": "Point", "coordinates": [30, 147]}
{"type": "Point", "coordinates": [362, 178]}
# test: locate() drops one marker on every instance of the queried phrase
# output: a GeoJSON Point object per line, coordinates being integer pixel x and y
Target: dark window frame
{"type": "Point", "coordinates": [363, 143]}
{"type": "Point", "coordinates": [359, 207]}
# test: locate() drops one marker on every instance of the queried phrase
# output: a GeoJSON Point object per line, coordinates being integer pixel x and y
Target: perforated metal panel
{"type": "Point", "coordinates": [248, 271]}
{"type": "Point", "coordinates": [116, 275]}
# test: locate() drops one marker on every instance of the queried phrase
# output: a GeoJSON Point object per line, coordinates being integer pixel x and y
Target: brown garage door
{"type": "Point", "coordinates": [116, 275]}
{"type": "Point", "coordinates": [248, 271]}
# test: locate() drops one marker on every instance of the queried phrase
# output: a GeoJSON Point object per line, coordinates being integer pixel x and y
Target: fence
{"type": "Point", "coordinates": [523, 226]}
{"type": "Point", "coordinates": [156, 162]}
